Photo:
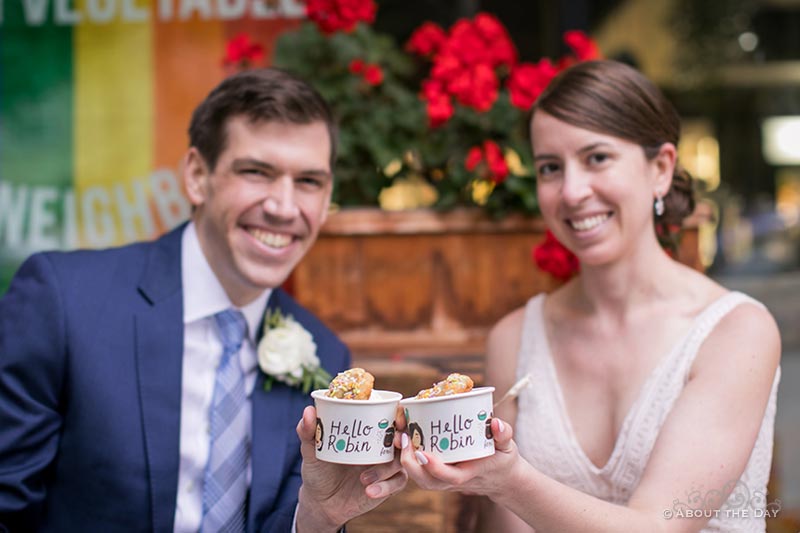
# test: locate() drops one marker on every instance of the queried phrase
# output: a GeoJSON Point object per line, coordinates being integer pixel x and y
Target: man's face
{"type": "Point", "coordinates": [260, 209]}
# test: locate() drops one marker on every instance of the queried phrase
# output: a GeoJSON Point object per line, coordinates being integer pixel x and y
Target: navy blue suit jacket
{"type": "Point", "coordinates": [91, 344]}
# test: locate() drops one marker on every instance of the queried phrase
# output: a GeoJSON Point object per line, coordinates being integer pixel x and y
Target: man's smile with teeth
{"type": "Point", "coordinates": [274, 240]}
{"type": "Point", "coordinates": [588, 223]}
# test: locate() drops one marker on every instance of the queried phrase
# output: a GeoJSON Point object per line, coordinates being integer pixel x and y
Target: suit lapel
{"type": "Point", "coordinates": [271, 426]}
{"type": "Point", "coordinates": [159, 356]}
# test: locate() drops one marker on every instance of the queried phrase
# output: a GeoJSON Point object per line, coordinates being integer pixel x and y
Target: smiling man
{"type": "Point", "coordinates": [130, 393]}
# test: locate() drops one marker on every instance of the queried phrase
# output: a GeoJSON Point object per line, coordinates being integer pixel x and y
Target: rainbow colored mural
{"type": "Point", "coordinates": [95, 100]}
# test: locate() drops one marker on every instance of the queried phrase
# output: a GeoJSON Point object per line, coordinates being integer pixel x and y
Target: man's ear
{"type": "Point", "coordinates": [195, 176]}
{"type": "Point", "coordinates": [664, 162]}
{"type": "Point", "coordinates": [327, 208]}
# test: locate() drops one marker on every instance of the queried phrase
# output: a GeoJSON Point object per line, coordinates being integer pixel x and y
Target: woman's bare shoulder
{"type": "Point", "coordinates": [509, 327]}
{"type": "Point", "coordinates": [747, 339]}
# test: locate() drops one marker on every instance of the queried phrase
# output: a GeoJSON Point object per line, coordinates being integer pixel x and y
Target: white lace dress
{"type": "Point", "coordinates": [545, 437]}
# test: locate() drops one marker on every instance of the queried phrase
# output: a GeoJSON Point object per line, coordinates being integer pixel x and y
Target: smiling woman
{"type": "Point", "coordinates": [638, 113]}
{"type": "Point", "coordinates": [585, 189]}
{"type": "Point", "coordinates": [638, 361]}
{"type": "Point", "coordinates": [608, 147]}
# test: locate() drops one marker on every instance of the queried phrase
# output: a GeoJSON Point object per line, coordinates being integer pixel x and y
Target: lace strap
{"type": "Point", "coordinates": [705, 323]}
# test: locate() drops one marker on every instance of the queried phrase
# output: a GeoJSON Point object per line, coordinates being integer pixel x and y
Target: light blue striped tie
{"type": "Point", "coordinates": [225, 478]}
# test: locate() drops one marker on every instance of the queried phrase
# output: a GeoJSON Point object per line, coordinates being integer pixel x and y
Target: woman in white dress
{"type": "Point", "coordinates": [652, 397]}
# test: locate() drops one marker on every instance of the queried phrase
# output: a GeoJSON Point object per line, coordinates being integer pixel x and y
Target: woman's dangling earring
{"type": "Point", "coordinates": [658, 206]}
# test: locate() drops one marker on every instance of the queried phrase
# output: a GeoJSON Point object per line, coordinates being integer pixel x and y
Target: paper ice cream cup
{"type": "Point", "coordinates": [454, 428]}
{"type": "Point", "coordinates": [356, 432]}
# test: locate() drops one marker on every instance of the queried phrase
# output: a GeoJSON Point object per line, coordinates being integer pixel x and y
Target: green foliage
{"type": "Point", "coordinates": [378, 123]}
{"type": "Point", "coordinates": [386, 124]}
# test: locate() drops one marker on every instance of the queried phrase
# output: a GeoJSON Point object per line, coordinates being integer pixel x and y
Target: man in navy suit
{"type": "Point", "coordinates": [109, 359]}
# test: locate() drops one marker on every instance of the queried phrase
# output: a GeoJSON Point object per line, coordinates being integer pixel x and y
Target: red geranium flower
{"type": "Point", "coordinates": [474, 158]}
{"type": "Point", "coordinates": [445, 67]}
{"type": "Point", "coordinates": [340, 15]}
{"type": "Point", "coordinates": [356, 66]}
{"type": "Point", "coordinates": [476, 87]}
{"type": "Point", "coordinates": [439, 103]}
{"type": "Point", "coordinates": [241, 52]}
{"type": "Point", "coordinates": [465, 60]}
{"type": "Point", "coordinates": [466, 44]}
{"type": "Point", "coordinates": [440, 109]}
{"type": "Point", "coordinates": [489, 27]}
{"type": "Point", "coordinates": [373, 74]}
{"type": "Point", "coordinates": [528, 80]}
{"type": "Point", "coordinates": [426, 40]}
{"type": "Point", "coordinates": [584, 48]}
{"type": "Point", "coordinates": [498, 169]}
{"type": "Point", "coordinates": [495, 169]}
{"type": "Point", "coordinates": [497, 40]}
{"type": "Point", "coordinates": [553, 257]}
{"type": "Point", "coordinates": [431, 89]}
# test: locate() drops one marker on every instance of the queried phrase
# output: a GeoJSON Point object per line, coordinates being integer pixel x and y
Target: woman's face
{"type": "Point", "coordinates": [318, 434]}
{"type": "Point", "coordinates": [596, 191]}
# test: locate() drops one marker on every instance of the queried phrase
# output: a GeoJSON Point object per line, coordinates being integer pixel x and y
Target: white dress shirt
{"type": "Point", "coordinates": [203, 297]}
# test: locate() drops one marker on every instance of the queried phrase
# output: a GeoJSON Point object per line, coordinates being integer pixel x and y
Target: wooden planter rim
{"type": "Point", "coordinates": [374, 221]}
{"type": "Point", "coordinates": [370, 221]}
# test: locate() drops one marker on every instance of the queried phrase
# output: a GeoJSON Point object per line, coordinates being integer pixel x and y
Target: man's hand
{"type": "Point", "coordinates": [331, 493]}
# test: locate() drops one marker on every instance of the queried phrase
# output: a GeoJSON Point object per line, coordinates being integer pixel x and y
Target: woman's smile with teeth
{"type": "Point", "coordinates": [588, 223]}
{"type": "Point", "coordinates": [273, 240]}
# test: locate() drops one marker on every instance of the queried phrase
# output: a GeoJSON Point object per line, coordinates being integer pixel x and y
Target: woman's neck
{"type": "Point", "coordinates": [645, 274]}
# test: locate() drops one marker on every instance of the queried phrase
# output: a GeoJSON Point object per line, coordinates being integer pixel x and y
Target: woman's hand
{"type": "Point", "coordinates": [488, 476]}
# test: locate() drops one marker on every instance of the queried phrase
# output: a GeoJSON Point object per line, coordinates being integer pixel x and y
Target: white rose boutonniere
{"type": "Point", "coordinates": [287, 352]}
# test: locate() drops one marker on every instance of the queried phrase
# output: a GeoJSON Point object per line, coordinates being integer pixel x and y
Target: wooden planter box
{"type": "Point", "coordinates": [423, 283]}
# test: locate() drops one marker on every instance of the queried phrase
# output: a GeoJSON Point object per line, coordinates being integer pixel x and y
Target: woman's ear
{"type": "Point", "coordinates": [195, 176]}
{"type": "Point", "coordinates": [664, 162]}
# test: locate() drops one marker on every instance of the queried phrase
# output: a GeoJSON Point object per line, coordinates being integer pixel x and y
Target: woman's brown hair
{"type": "Point", "coordinates": [615, 99]}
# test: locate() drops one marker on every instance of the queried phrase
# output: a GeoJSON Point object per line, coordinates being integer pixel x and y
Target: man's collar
{"type": "Point", "coordinates": [203, 294]}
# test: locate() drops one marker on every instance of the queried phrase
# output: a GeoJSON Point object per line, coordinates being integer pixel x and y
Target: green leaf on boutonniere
{"type": "Point", "coordinates": [322, 379]}
{"type": "Point", "coordinates": [287, 353]}
{"type": "Point", "coordinates": [315, 378]}
{"type": "Point", "coordinates": [274, 319]}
